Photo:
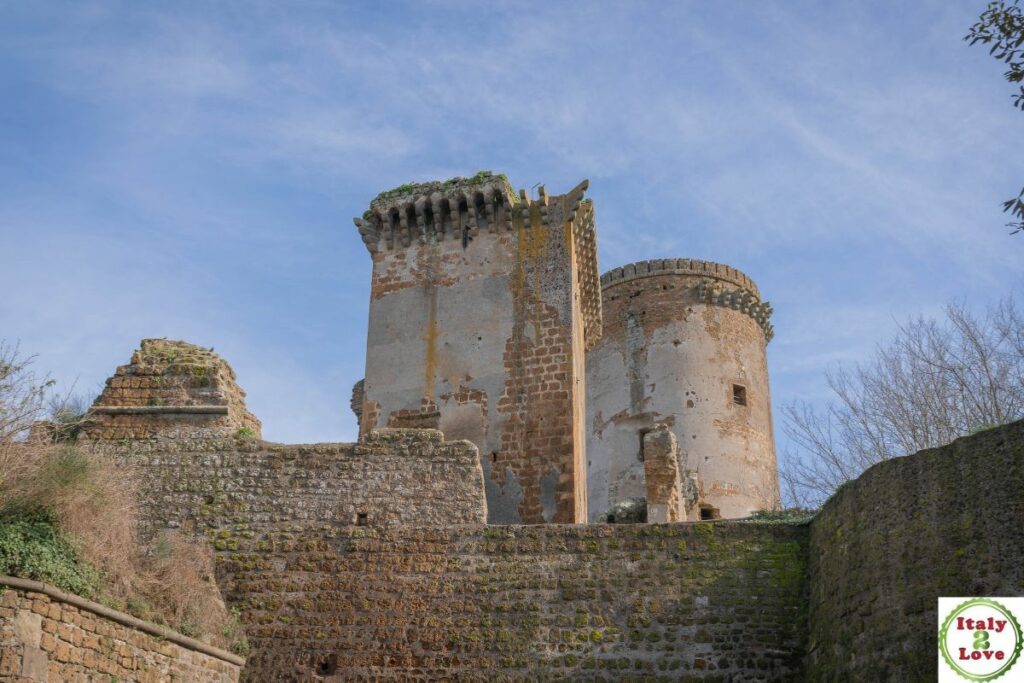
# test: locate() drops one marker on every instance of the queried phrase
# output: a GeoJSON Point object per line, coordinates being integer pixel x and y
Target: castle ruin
{"type": "Point", "coordinates": [510, 397]}
{"type": "Point", "coordinates": [486, 323]}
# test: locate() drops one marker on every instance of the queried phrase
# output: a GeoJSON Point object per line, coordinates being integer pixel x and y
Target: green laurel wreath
{"type": "Point", "coordinates": [1012, 659]}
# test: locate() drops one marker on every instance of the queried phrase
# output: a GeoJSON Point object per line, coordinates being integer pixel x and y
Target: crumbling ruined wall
{"type": "Point", "coordinates": [664, 497]}
{"type": "Point", "coordinates": [885, 547]}
{"type": "Point", "coordinates": [170, 385]}
{"type": "Point", "coordinates": [712, 602]}
{"type": "Point", "coordinates": [481, 305]}
{"type": "Point", "coordinates": [47, 636]}
{"type": "Point", "coordinates": [203, 473]}
{"type": "Point", "coordinates": [680, 337]}
{"type": "Point", "coordinates": [372, 560]}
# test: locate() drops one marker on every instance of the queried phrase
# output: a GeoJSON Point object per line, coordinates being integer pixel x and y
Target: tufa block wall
{"type": "Point", "coordinates": [482, 304]}
{"type": "Point", "coordinates": [511, 603]}
{"type": "Point", "coordinates": [170, 385]}
{"type": "Point", "coordinates": [226, 487]}
{"type": "Point", "coordinates": [885, 547]}
{"type": "Point", "coordinates": [49, 637]}
{"type": "Point", "coordinates": [684, 345]}
{"type": "Point", "coordinates": [421, 588]}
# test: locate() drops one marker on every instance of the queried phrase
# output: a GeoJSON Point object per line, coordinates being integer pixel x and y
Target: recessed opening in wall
{"type": "Point", "coordinates": [325, 665]}
{"type": "Point", "coordinates": [494, 456]}
{"type": "Point", "coordinates": [709, 512]}
{"type": "Point", "coordinates": [739, 394]}
{"type": "Point", "coordinates": [362, 519]}
{"type": "Point", "coordinates": [640, 451]}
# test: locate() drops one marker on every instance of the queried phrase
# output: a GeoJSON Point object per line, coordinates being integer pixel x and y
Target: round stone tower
{"type": "Point", "coordinates": [683, 345]}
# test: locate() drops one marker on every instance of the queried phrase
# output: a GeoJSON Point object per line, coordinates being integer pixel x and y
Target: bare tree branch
{"type": "Point", "coordinates": [935, 381]}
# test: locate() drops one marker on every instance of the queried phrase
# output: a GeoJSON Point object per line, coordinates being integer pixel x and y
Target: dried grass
{"type": "Point", "coordinates": [91, 496]}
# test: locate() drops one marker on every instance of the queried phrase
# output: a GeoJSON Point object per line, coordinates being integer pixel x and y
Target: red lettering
{"type": "Point", "coordinates": [978, 654]}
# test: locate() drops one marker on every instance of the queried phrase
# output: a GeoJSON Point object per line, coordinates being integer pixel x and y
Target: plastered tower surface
{"type": "Point", "coordinates": [482, 304]}
{"type": "Point", "coordinates": [684, 345]}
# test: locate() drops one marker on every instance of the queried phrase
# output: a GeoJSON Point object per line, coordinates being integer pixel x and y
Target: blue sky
{"type": "Point", "coordinates": [190, 170]}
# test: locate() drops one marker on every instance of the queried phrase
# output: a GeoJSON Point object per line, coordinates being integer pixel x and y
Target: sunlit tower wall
{"type": "Point", "coordinates": [683, 344]}
{"type": "Point", "coordinates": [482, 304]}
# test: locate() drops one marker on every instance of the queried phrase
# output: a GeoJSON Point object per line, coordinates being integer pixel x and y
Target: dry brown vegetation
{"type": "Point", "coordinates": [90, 497]}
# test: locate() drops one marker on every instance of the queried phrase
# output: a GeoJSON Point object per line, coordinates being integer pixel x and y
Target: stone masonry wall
{"type": "Point", "coordinates": [229, 486]}
{"type": "Point", "coordinates": [170, 385]}
{"type": "Point", "coordinates": [44, 638]}
{"type": "Point", "coordinates": [885, 547]}
{"type": "Point", "coordinates": [690, 602]}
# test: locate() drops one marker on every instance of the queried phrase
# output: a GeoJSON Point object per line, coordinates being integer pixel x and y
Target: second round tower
{"type": "Point", "coordinates": [683, 345]}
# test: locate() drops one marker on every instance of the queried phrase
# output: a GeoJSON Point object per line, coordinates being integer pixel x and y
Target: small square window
{"type": "Point", "coordinates": [362, 519]}
{"type": "Point", "coordinates": [739, 394]}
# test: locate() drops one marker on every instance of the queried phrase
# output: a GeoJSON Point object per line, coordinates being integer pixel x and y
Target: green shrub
{"type": "Point", "coordinates": [32, 548]}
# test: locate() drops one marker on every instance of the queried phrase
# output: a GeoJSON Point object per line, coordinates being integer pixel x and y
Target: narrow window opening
{"type": "Point", "coordinates": [327, 665]}
{"type": "Point", "coordinates": [494, 456]}
{"type": "Point", "coordinates": [362, 519]}
{"type": "Point", "coordinates": [739, 394]}
{"type": "Point", "coordinates": [709, 512]}
{"type": "Point", "coordinates": [640, 452]}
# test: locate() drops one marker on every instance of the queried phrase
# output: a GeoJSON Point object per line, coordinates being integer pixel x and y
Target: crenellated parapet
{"type": "Point", "coordinates": [713, 288]}
{"type": "Point", "coordinates": [456, 209]}
{"type": "Point", "coordinates": [679, 266]}
{"type": "Point", "coordinates": [462, 208]}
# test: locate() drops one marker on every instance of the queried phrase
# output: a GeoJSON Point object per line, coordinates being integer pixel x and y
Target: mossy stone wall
{"type": "Point", "coordinates": [228, 488]}
{"type": "Point", "coordinates": [943, 522]}
{"type": "Point", "coordinates": [690, 602]}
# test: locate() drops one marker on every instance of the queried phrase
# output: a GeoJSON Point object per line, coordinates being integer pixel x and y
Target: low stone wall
{"type": "Point", "coordinates": [943, 522]}
{"type": "Point", "coordinates": [717, 602]}
{"type": "Point", "coordinates": [49, 636]}
{"type": "Point", "coordinates": [222, 487]}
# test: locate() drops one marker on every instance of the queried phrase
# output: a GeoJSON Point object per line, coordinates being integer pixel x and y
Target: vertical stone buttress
{"type": "Point", "coordinates": [684, 345]}
{"type": "Point", "coordinates": [482, 305]}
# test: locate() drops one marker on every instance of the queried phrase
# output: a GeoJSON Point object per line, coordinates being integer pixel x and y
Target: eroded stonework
{"type": "Point", "coordinates": [170, 385]}
{"type": "Point", "coordinates": [373, 561]}
{"type": "Point", "coordinates": [482, 304]}
{"type": "Point", "coordinates": [683, 345]}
